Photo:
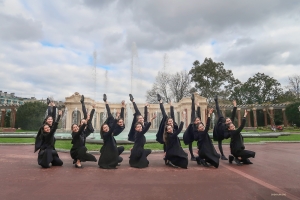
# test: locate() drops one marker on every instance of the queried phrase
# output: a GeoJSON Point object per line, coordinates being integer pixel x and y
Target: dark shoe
{"type": "Point", "coordinates": [82, 99]}
{"type": "Point", "coordinates": [238, 162]}
{"type": "Point", "coordinates": [223, 158]}
{"type": "Point", "coordinates": [231, 159]}
{"type": "Point", "coordinates": [193, 97]}
{"type": "Point", "coordinates": [131, 97]}
{"type": "Point", "coordinates": [193, 159]}
{"type": "Point", "coordinates": [76, 166]}
{"type": "Point", "coordinates": [247, 161]}
{"type": "Point", "coordinates": [104, 97]}
{"type": "Point", "coordinates": [171, 164]}
{"type": "Point", "coordinates": [204, 163]}
{"type": "Point", "coordinates": [158, 97]}
{"type": "Point", "coordinates": [48, 101]}
{"type": "Point", "coordinates": [216, 98]}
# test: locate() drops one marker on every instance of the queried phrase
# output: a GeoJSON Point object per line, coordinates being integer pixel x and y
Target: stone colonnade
{"type": "Point", "coordinates": [13, 110]}
{"type": "Point", "coordinates": [183, 107]}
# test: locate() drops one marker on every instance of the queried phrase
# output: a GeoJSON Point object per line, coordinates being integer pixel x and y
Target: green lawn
{"type": "Point", "coordinates": [66, 144]}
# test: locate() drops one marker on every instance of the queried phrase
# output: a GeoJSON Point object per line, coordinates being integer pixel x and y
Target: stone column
{"type": "Point", "coordinates": [272, 116]}
{"type": "Point", "coordinates": [285, 122]}
{"type": "Point", "coordinates": [248, 118]}
{"type": "Point", "coordinates": [13, 117]}
{"type": "Point", "coordinates": [238, 110]}
{"type": "Point", "coordinates": [265, 117]}
{"type": "Point", "coordinates": [3, 114]}
{"type": "Point", "coordinates": [254, 117]}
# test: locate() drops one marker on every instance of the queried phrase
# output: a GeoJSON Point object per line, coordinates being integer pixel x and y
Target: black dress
{"type": "Point", "coordinates": [138, 156]}
{"type": "Point", "coordinates": [131, 134]}
{"type": "Point", "coordinates": [47, 153]}
{"type": "Point", "coordinates": [206, 149]}
{"type": "Point", "coordinates": [110, 153]}
{"type": "Point", "coordinates": [78, 150]}
{"type": "Point", "coordinates": [174, 152]}
{"type": "Point", "coordinates": [237, 147]}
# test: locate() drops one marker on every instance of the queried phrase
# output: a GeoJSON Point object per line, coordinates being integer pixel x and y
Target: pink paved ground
{"type": "Point", "coordinates": [274, 175]}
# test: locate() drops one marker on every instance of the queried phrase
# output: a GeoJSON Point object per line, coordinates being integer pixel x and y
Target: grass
{"type": "Point", "coordinates": [66, 144]}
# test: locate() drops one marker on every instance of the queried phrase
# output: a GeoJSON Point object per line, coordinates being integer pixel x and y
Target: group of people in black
{"type": "Point", "coordinates": [167, 135]}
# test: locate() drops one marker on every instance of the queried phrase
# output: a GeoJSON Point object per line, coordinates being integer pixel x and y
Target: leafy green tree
{"type": "Point", "coordinates": [30, 116]}
{"type": "Point", "coordinates": [293, 114]}
{"type": "Point", "coordinates": [212, 79]}
{"type": "Point", "coordinates": [259, 89]}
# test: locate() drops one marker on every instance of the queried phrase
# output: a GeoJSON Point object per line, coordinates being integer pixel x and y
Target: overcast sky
{"type": "Point", "coordinates": [46, 47]}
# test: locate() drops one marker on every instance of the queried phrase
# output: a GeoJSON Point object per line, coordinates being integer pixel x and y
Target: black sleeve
{"type": "Point", "coordinates": [146, 128]}
{"type": "Point", "coordinates": [179, 129]}
{"type": "Point", "coordinates": [84, 110]}
{"type": "Point", "coordinates": [242, 126]}
{"type": "Point", "coordinates": [162, 109]}
{"type": "Point", "coordinates": [218, 109]}
{"type": "Point", "coordinates": [199, 112]}
{"type": "Point", "coordinates": [91, 116]}
{"type": "Point", "coordinates": [53, 129]}
{"type": "Point", "coordinates": [146, 114]}
{"type": "Point", "coordinates": [172, 113]}
{"type": "Point", "coordinates": [54, 113]}
{"type": "Point", "coordinates": [49, 110]}
{"type": "Point", "coordinates": [193, 111]}
{"type": "Point", "coordinates": [136, 108]}
{"type": "Point", "coordinates": [79, 131]}
{"type": "Point", "coordinates": [207, 124]}
{"type": "Point", "coordinates": [233, 114]}
{"type": "Point", "coordinates": [108, 110]}
{"type": "Point", "coordinates": [122, 113]}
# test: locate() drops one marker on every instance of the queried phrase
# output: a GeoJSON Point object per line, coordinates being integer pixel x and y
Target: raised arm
{"type": "Point", "coordinates": [233, 111]}
{"type": "Point", "coordinates": [179, 128]}
{"type": "Point", "coordinates": [122, 109]}
{"type": "Point", "coordinates": [147, 126]}
{"type": "Point", "coordinates": [193, 108]}
{"type": "Point", "coordinates": [80, 129]}
{"type": "Point", "coordinates": [53, 111]}
{"type": "Point", "coordinates": [146, 112]}
{"type": "Point", "coordinates": [198, 111]}
{"type": "Point", "coordinates": [83, 107]}
{"type": "Point", "coordinates": [55, 124]}
{"type": "Point", "coordinates": [208, 120]}
{"type": "Point", "coordinates": [162, 109]}
{"type": "Point", "coordinates": [218, 107]}
{"type": "Point", "coordinates": [243, 123]}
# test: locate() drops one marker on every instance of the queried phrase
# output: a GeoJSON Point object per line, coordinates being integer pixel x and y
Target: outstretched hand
{"type": "Point", "coordinates": [123, 103]}
{"type": "Point", "coordinates": [234, 103]}
{"type": "Point", "coordinates": [211, 111]}
{"type": "Point", "coordinates": [60, 112]}
{"type": "Point", "coordinates": [94, 105]}
{"type": "Point", "coordinates": [154, 116]}
{"type": "Point", "coordinates": [246, 112]}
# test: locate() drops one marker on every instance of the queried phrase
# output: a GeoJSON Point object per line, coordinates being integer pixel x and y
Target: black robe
{"type": "Point", "coordinates": [109, 157]}
{"type": "Point", "coordinates": [206, 149]}
{"type": "Point", "coordinates": [174, 152]}
{"type": "Point", "coordinates": [138, 156]}
{"type": "Point", "coordinates": [188, 135]}
{"type": "Point", "coordinates": [162, 125]}
{"type": "Point", "coordinates": [237, 147]}
{"type": "Point", "coordinates": [38, 141]}
{"type": "Point", "coordinates": [131, 134]}
{"type": "Point", "coordinates": [47, 153]}
{"type": "Point", "coordinates": [78, 150]}
{"type": "Point", "coordinates": [220, 126]}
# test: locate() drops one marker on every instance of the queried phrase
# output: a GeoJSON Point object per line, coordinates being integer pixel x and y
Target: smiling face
{"type": "Point", "coordinates": [170, 122]}
{"type": "Point", "coordinates": [228, 120]}
{"type": "Point", "coordinates": [120, 122]}
{"type": "Point", "coordinates": [138, 127]}
{"type": "Point", "coordinates": [169, 129]}
{"type": "Point", "coordinates": [140, 119]}
{"type": "Point", "coordinates": [46, 129]}
{"type": "Point", "coordinates": [105, 128]}
{"type": "Point", "coordinates": [197, 120]}
{"type": "Point", "coordinates": [231, 127]}
{"type": "Point", "coordinates": [201, 127]}
{"type": "Point", "coordinates": [49, 120]}
{"type": "Point", "coordinates": [75, 128]}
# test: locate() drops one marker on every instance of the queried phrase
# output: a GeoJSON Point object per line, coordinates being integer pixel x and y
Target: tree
{"type": "Point", "coordinates": [294, 85]}
{"type": "Point", "coordinates": [160, 86]}
{"type": "Point", "coordinates": [212, 79]}
{"type": "Point", "coordinates": [30, 116]}
{"type": "Point", "coordinates": [170, 86]}
{"type": "Point", "coordinates": [180, 85]}
{"type": "Point", "coordinates": [293, 114]}
{"type": "Point", "coordinates": [259, 89]}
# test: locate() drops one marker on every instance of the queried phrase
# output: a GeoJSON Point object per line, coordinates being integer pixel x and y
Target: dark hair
{"type": "Point", "coordinates": [45, 120]}
{"type": "Point", "coordinates": [168, 120]}
{"type": "Point", "coordinates": [138, 123]}
{"type": "Point", "coordinates": [138, 117]}
{"type": "Point", "coordinates": [228, 125]}
{"type": "Point", "coordinates": [101, 130]}
{"type": "Point", "coordinates": [165, 136]}
{"type": "Point", "coordinates": [196, 118]}
{"type": "Point", "coordinates": [120, 119]}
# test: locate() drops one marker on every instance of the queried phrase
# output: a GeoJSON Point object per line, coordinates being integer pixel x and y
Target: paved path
{"type": "Point", "coordinates": [275, 174]}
